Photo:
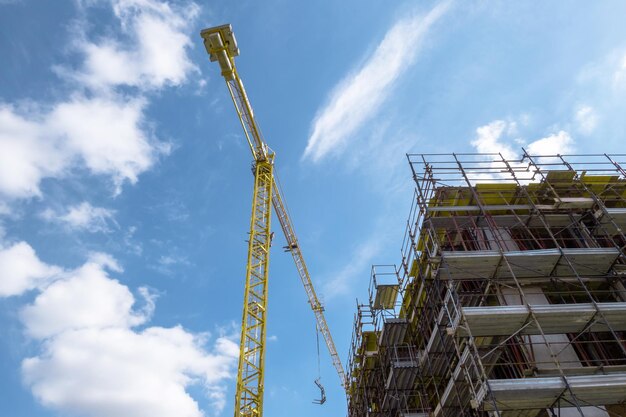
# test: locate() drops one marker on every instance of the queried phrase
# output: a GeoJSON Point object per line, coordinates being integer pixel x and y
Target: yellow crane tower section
{"type": "Point", "coordinates": [222, 47]}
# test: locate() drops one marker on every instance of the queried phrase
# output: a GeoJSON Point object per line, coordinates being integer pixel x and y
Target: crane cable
{"type": "Point", "coordinates": [317, 338]}
{"type": "Point", "coordinates": [322, 399]}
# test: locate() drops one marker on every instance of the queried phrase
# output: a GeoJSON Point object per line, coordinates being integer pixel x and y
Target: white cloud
{"type": "Point", "coordinates": [555, 144]}
{"type": "Point", "coordinates": [88, 298]}
{"type": "Point", "coordinates": [94, 362]}
{"type": "Point", "coordinates": [26, 155]}
{"type": "Point", "coordinates": [105, 135]}
{"type": "Point", "coordinates": [21, 270]}
{"type": "Point", "coordinates": [96, 354]}
{"type": "Point", "coordinates": [586, 119]}
{"type": "Point", "coordinates": [156, 55]}
{"type": "Point", "coordinates": [489, 138]}
{"type": "Point", "coordinates": [496, 136]}
{"type": "Point", "coordinates": [97, 129]}
{"type": "Point", "coordinates": [115, 371]}
{"type": "Point", "coordinates": [358, 97]}
{"type": "Point", "coordinates": [83, 216]}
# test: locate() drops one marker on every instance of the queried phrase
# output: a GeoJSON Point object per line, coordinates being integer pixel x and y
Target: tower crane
{"type": "Point", "coordinates": [222, 47]}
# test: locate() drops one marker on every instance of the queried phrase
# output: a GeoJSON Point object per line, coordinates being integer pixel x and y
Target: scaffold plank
{"type": "Point", "coordinates": [393, 331]}
{"type": "Point", "coordinates": [544, 392]}
{"type": "Point", "coordinates": [386, 295]}
{"type": "Point", "coordinates": [586, 261]}
{"type": "Point", "coordinates": [487, 264]}
{"type": "Point", "coordinates": [552, 318]}
{"type": "Point", "coordinates": [504, 220]}
{"type": "Point", "coordinates": [613, 221]}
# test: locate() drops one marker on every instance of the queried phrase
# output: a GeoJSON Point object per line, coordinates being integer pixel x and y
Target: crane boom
{"type": "Point", "coordinates": [222, 47]}
{"type": "Point", "coordinates": [296, 253]}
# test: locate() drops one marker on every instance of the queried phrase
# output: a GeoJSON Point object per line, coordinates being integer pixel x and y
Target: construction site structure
{"type": "Point", "coordinates": [221, 46]}
{"type": "Point", "coordinates": [509, 298]}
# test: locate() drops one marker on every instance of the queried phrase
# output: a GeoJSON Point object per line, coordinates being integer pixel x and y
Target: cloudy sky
{"type": "Point", "coordinates": [125, 181]}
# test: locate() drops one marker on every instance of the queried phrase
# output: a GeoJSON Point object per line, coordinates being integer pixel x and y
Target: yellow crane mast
{"type": "Point", "coordinates": [222, 47]}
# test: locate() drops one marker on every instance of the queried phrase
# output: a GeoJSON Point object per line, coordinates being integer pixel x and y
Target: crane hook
{"type": "Point", "coordinates": [322, 399]}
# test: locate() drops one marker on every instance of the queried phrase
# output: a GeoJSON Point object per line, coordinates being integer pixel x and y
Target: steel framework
{"type": "Point", "coordinates": [510, 293]}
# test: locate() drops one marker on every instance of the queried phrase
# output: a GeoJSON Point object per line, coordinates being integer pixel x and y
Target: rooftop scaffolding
{"type": "Point", "coordinates": [510, 297]}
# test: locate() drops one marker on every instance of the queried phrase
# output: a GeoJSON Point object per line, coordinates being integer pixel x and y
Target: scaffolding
{"type": "Point", "coordinates": [509, 299]}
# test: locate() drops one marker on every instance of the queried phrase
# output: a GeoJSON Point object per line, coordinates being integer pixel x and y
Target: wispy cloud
{"type": "Point", "coordinates": [133, 245]}
{"type": "Point", "coordinates": [382, 157]}
{"type": "Point", "coordinates": [359, 96]}
{"type": "Point", "coordinates": [360, 261]}
{"type": "Point", "coordinates": [172, 262]}
{"type": "Point", "coordinates": [4, 209]}
{"type": "Point", "coordinates": [586, 119]}
{"type": "Point", "coordinates": [83, 216]}
{"type": "Point", "coordinates": [600, 94]}
{"type": "Point", "coordinates": [619, 74]}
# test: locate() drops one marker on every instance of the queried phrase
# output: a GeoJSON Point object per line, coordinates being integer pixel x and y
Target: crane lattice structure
{"type": "Point", "coordinates": [222, 47]}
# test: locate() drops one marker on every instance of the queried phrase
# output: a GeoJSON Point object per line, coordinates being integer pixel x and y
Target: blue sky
{"type": "Point", "coordinates": [125, 181]}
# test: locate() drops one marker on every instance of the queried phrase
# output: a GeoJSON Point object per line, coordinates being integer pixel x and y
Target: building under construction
{"type": "Point", "coordinates": [509, 298]}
